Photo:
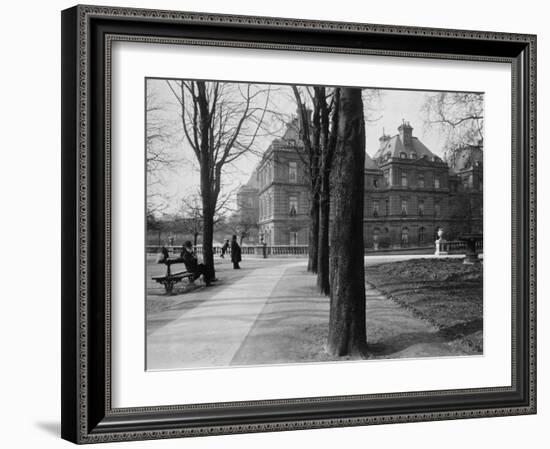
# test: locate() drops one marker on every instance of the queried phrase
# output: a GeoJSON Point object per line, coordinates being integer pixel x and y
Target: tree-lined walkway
{"type": "Point", "coordinates": [211, 332]}
{"type": "Point", "coordinates": [271, 313]}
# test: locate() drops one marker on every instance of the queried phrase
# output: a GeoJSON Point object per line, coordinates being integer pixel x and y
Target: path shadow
{"type": "Point", "coordinates": [397, 343]}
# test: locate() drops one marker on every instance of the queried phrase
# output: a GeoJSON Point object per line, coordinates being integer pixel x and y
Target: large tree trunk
{"type": "Point", "coordinates": [313, 234]}
{"type": "Point", "coordinates": [328, 139]}
{"type": "Point", "coordinates": [347, 329]}
{"type": "Point", "coordinates": [323, 273]}
{"type": "Point", "coordinates": [208, 193]}
{"type": "Point", "coordinates": [208, 244]}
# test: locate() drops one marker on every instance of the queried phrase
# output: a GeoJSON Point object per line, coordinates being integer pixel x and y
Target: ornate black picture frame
{"type": "Point", "coordinates": [87, 35]}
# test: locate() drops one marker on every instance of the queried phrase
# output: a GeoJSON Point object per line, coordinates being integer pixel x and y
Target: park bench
{"type": "Point", "coordinates": [170, 279]}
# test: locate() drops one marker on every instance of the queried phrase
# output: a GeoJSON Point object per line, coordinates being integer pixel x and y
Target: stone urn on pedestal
{"type": "Point", "coordinates": [439, 244]}
{"type": "Point", "coordinates": [375, 243]}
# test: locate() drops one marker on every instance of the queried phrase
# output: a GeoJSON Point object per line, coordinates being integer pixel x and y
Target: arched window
{"type": "Point", "coordinates": [403, 155]}
{"type": "Point", "coordinates": [293, 238]}
{"type": "Point", "coordinates": [293, 205]}
{"type": "Point", "coordinates": [292, 171]}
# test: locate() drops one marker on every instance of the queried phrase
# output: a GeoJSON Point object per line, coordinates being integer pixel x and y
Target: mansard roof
{"type": "Point", "coordinates": [394, 146]}
{"type": "Point", "coordinates": [370, 164]}
{"type": "Point", "coordinates": [252, 183]}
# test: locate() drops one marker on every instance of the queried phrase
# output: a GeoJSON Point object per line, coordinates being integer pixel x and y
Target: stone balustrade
{"type": "Point", "coordinates": [256, 250]}
{"type": "Point", "coordinates": [449, 247]}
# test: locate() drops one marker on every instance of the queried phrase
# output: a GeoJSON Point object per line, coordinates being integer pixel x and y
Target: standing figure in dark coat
{"type": "Point", "coordinates": [191, 263]}
{"type": "Point", "coordinates": [235, 253]}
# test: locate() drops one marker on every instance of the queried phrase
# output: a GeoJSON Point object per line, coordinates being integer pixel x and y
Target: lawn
{"type": "Point", "coordinates": [445, 292]}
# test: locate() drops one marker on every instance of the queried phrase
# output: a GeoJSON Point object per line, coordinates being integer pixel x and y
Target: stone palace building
{"type": "Point", "coordinates": [409, 193]}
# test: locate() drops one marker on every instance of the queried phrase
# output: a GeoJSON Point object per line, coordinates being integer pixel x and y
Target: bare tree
{"type": "Point", "coordinates": [319, 137]}
{"type": "Point", "coordinates": [347, 329]}
{"type": "Point", "coordinates": [459, 115]}
{"type": "Point", "coordinates": [329, 127]}
{"type": "Point", "coordinates": [220, 122]}
{"type": "Point", "coordinates": [158, 138]}
{"type": "Point", "coordinates": [191, 217]}
{"type": "Point", "coordinates": [245, 220]}
{"type": "Point", "coordinates": [309, 129]}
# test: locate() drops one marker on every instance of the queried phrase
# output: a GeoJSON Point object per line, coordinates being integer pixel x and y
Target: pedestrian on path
{"type": "Point", "coordinates": [235, 253]}
{"type": "Point", "coordinates": [225, 247]}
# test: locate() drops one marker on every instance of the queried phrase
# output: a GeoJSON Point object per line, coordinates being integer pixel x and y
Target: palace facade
{"type": "Point", "coordinates": [409, 193]}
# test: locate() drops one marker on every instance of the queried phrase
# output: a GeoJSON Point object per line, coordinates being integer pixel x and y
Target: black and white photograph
{"type": "Point", "coordinates": [291, 224]}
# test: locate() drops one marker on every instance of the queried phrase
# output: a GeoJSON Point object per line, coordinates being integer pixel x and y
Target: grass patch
{"type": "Point", "coordinates": [445, 292]}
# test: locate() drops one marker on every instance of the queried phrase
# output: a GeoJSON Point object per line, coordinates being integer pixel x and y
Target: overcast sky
{"type": "Point", "coordinates": [385, 114]}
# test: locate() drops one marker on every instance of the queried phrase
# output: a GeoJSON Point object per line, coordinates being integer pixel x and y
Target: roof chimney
{"type": "Point", "coordinates": [405, 132]}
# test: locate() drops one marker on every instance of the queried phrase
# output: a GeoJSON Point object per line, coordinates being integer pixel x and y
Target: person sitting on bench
{"type": "Point", "coordinates": [191, 263]}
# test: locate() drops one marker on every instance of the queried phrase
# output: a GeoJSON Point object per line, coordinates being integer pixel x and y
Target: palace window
{"type": "Point", "coordinates": [261, 207]}
{"type": "Point", "coordinates": [292, 171]}
{"type": "Point", "coordinates": [375, 208]}
{"type": "Point", "coordinates": [375, 235]}
{"type": "Point", "coordinates": [404, 207]}
{"type": "Point", "coordinates": [421, 180]}
{"type": "Point", "coordinates": [405, 237]}
{"type": "Point", "coordinates": [293, 240]}
{"type": "Point", "coordinates": [421, 235]}
{"type": "Point", "coordinates": [293, 205]}
{"type": "Point", "coordinates": [404, 181]}
{"type": "Point", "coordinates": [437, 182]}
{"type": "Point", "coordinates": [387, 207]}
{"type": "Point", "coordinates": [403, 155]}
{"type": "Point", "coordinates": [437, 209]}
{"type": "Point", "coordinates": [421, 207]}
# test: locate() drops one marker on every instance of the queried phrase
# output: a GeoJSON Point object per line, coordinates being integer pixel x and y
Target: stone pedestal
{"type": "Point", "coordinates": [440, 248]}
{"type": "Point", "coordinates": [439, 244]}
